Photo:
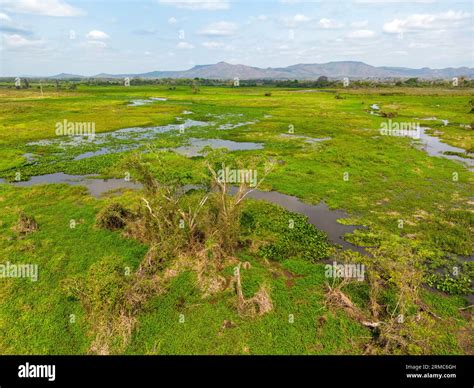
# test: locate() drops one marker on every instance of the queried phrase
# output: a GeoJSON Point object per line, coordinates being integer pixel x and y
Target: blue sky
{"type": "Point", "coordinates": [45, 37]}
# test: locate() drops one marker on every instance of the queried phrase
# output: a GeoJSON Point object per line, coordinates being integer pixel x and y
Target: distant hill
{"type": "Point", "coordinates": [66, 76]}
{"type": "Point", "coordinates": [338, 70]}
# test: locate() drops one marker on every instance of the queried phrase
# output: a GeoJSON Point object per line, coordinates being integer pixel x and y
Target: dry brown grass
{"type": "Point", "coordinates": [25, 225]}
{"type": "Point", "coordinates": [257, 305]}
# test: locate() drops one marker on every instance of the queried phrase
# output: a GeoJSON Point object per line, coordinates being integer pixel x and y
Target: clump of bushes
{"type": "Point", "coordinates": [196, 231]}
{"type": "Point", "coordinates": [26, 224]}
{"type": "Point", "coordinates": [396, 312]}
{"type": "Point", "coordinates": [388, 114]}
{"type": "Point", "coordinates": [452, 285]}
{"type": "Point", "coordinates": [113, 217]}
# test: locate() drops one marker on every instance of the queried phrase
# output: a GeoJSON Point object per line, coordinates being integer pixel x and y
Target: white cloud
{"type": "Point", "coordinates": [16, 41]}
{"type": "Point", "coordinates": [361, 34]}
{"type": "Point", "coordinates": [262, 17]}
{"type": "Point", "coordinates": [329, 23]}
{"type": "Point", "coordinates": [184, 46]}
{"type": "Point", "coordinates": [212, 45]}
{"type": "Point", "coordinates": [295, 20]}
{"type": "Point", "coordinates": [4, 17]}
{"type": "Point", "coordinates": [97, 35]}
{"type": "Point", "coordinates": [418, 22]}
{"type": "Point", "coordinates": [197, 4]}
{"type": "Point", "coordinates": [301, 18]}
{"type": "Point", "coordinates": [172, 20]}
{"type": "Point", "coordinates": [219, 29]}
{"type": "Point", "coordinates": [42, 7]}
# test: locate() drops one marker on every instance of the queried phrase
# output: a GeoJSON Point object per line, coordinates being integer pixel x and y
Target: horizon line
{"type": "Point", "coordinates": [235, 64]}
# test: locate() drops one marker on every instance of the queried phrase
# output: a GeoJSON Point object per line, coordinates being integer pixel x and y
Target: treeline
{"type": "Point", "coordinates": [321, 82]}
{"type": "Point", "coordinates": [324, 82]}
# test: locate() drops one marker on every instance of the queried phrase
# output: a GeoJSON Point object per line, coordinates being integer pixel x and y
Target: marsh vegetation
{"type": "Point", "coordinates": [175, 260]}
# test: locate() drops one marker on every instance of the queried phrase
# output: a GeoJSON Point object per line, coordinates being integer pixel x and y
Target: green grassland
{"type": "Point", "coordinates": [388, 180]}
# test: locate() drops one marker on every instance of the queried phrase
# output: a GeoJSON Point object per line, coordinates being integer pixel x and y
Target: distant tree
{"type": "Point", "coordinates": [195, 87]}
{"type": "Point", "coordinates": [322, 81]}
{"type": "Point", "coordinates": [411, 82]}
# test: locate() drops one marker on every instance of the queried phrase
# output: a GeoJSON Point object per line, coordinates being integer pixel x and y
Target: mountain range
{"type": "Point", "coordinates": [334, 70]}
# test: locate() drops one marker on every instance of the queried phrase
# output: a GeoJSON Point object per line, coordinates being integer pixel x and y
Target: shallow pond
{"type": "Point", "coordinates": [116, 141]}
{"type": "Point", "coordinates": [433, 146]}
{"type": "Point", "coordinates": [146, 101]}
{"type": "Point", "coordinates": [321, 216]}
{"type": "Point", "coordinates": [196, 145]}
{"type": "Point", "coordinates": [229, 126]}
{"type": "Point", "coordinates": [95, 186]}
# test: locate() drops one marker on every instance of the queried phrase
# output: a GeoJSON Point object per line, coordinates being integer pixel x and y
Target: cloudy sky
{"type": "Point", "coordinates": [46, 37]}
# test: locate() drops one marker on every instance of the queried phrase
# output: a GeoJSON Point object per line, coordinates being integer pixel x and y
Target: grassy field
{"type": "Point", "coordinates": [403, 197]}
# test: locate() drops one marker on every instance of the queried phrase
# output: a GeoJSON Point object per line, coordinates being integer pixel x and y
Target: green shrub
{"type": "Point", "coordinates": [451, 285]}
{"type": "Point", "coordinates": [112, 217]}
{"type": "Point", "coordinates": [285, 235]}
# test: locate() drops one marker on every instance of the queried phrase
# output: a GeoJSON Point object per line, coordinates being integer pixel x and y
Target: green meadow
{"type": "Point", "coordinates": [402, 199]}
